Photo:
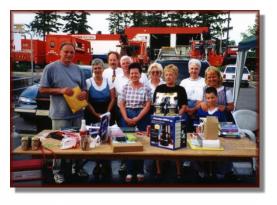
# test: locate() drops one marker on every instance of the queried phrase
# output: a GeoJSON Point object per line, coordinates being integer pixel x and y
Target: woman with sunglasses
{"type": "Point", "coordinates": [155, 72]}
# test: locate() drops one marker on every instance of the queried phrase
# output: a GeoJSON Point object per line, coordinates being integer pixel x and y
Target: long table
{"type": "Point", "coordinates": [239, 149]}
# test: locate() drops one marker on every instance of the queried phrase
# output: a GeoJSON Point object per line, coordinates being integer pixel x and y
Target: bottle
{"type": "Point", "coordinates": [84, 136]}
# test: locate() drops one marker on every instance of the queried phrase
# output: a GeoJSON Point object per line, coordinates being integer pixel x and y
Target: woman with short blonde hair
{"type": "Point", "coordinates": [172, 69]}
{"type": "Point", "coordinates": [216, 71]}
{"type": "Point", "coordinates": [155, 66]}
{"type": "Point", "coordinates": [155, 73]}
{"type": "Point", "coordinates": [170, 99]}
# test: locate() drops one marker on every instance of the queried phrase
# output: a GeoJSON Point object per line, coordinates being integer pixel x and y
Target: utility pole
{"type": "Point", "coordinates": [20, 28]}
{"type": "Point", "coordinates": [228, 26]}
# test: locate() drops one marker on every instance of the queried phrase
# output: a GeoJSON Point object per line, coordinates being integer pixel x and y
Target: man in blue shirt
{"type": "Point", "coordinates": [59, 78]}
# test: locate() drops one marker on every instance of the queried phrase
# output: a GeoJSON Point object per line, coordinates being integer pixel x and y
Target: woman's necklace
{"type": "Point", "coordinates": [98, 81]}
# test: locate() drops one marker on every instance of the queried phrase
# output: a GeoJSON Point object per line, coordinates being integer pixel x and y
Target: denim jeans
{"type": "Point", "coordinates": [133, 112]}
{"type": "Point", "coordinates": [136, 166]}
{"type": "Point", "coordinates": [191, 103]}
{"type": "Point", "coordinates": [60, 165]}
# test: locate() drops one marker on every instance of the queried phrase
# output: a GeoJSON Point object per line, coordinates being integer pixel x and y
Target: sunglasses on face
{"type": "Point", "coordinates": [155, 72]}
{"type": "Point", "coordinates": [97, 68]}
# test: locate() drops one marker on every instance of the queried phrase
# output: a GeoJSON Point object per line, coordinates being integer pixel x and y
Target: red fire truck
{"type": "Point", "coordinates": [24, 55]}
{"type": "Point", "coordinates": [45, 52]}
{"type": "Point", "coordinates": [82, 47]}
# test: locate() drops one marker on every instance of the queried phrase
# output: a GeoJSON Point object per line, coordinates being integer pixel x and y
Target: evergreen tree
{"type": "Point", "coordinates": [83, 28]}
{"type": "Point", "coordinates": [251, 31]}
{"type": "Point", "coordinates": [116, 22]}
{"type": "Point", "coordinates": [175, 19]}
{"type": "Point", "coordinates": [71, 20]}
{"type": "Point", "coordinates": [214, 21]}
{"type": "Point", "coordinates": [45, 22]}
{"type": "Point", "coordinates": [155, 19]}
{"type": "Point", "coordinates": [126, 19]}
{"type": "Point", "coordinates": [76, 23]}
{"type": "Point", "coordinates": [138, 18]}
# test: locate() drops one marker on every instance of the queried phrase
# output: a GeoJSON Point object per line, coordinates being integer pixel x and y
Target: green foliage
{"type": "Point", "coordinates": [72, 22]}
{"type": "Point", "coordinates": [116, 22]}
{"type": "Point", "coordinates": [45, 22]}
{"type": "Point", "coordinates": [180, 18]}
{"type": "Point", "coordinates": [215, 21]}
{"type": "Point", "coordinates": [154, 19]}
{"type": "Point", "coordinates": [251, 31]}
{"type": "Point", "coordinates": [76, 23]}
{"type": "Point", "coordinates": [83, 27]}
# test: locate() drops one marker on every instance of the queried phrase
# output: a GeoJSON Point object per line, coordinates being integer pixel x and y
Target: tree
{"type": "Point", "coordinates": [155, 19]}
{"type": "Point", "coordinates": [251, 31]}
{"type": "Point", "coordinates": [76, 23]}
{"type": "Point", "coordinates": [83, 28]}
{"type": "Point", "coordinates": [214, 21]}
{"type": "Point", "coordinates": [116, 22]}
{"type": "Point", "coordinates": [44, 23]}
{"type": "Point", "coordinates": [71, 25]}
{"type": "Point", "coordinates": [179, 18]}
{"type": "Point", "coordinates": [138, 18]}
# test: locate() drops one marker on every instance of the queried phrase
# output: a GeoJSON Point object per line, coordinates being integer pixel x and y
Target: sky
{"type": "Point", "coordinates": [97, 20]}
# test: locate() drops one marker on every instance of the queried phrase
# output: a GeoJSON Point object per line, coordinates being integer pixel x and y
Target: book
{"type": "Point", "coordinates": [104, 126]}
{"type": "Point", "coordinates": [229, 129]}
{"type": "Point", "coordinates": [128, 143]}
{"type": "Point", "coordinates": [73, 102]}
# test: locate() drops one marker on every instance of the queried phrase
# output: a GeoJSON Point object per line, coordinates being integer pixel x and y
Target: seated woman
{"type": "Point", "coordinates": [170, 99]}
{"type": "Point", "coordinates": [225, 102]}
{"type": "Point", "coordinates": [101, 98]}
{"type": "Point", "coordinates": [134, 107]}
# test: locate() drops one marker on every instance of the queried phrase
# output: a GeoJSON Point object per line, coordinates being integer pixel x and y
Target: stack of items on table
{"type": "Point", "coordinates": [207, 135]}
{"type": "Point", "coordinates": [229, 129]}
{"type": "Point", "coordinates": [126, 141]}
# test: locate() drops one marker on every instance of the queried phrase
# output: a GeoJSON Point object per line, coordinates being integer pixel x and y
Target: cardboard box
{"type": "Point", "coordinates": [211, 128]}
{"type": "Point", "coordinates": [127, 147]}
{"type": "Point", "coordinates": [168, 132]}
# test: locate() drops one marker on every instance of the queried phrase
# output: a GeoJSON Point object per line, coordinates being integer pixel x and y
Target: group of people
{"type": "Point", "coordinates": [130, 96]}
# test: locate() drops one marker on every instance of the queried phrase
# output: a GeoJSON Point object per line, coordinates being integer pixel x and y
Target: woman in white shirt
{"type": "Point", "coordinates": [155, 73]}
{"type": "Point", "coordinates": [194, 85]}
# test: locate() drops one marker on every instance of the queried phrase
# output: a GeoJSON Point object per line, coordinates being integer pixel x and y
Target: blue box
{"type": "Point", "coordinates": [168, 132]}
